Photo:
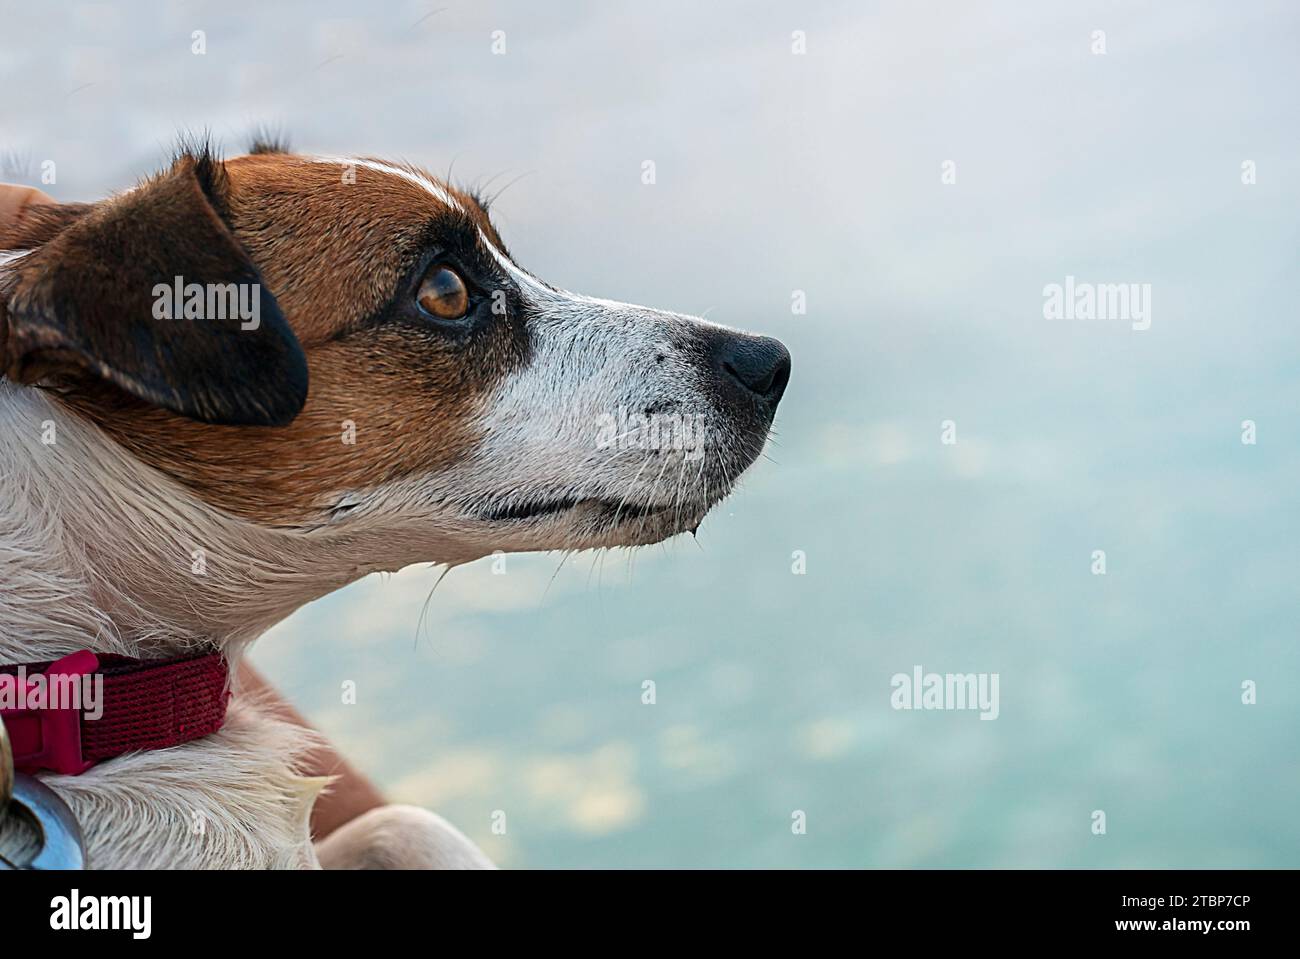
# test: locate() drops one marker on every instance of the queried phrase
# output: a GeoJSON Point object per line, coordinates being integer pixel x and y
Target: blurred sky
{"type": "Point", "coordinates": [821, 172]}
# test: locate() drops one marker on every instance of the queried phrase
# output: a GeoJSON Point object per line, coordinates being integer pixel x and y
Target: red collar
{"type": "Point", "coordinates": [142, 704]}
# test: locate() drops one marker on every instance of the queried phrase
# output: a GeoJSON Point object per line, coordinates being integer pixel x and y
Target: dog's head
{"type": "Point", "coordinates": [308, 343]}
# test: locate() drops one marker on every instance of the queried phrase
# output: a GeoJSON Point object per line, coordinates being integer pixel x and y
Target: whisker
{"type": "Point", "coordinates": [424, 609]}
{"type": "Point", "coordinates": [564, 558]}
{"type": "Point", "coordinates": [681, 487]}
{"type": "Point", "coordinates": [628, 492]}
{"type": "Point", "coordinates": [654, 491]}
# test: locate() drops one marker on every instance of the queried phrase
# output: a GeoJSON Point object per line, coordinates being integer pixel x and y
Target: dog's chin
{"type": "Point", "coordinates": [578, 518]}
{"type": "Point", "coordinates": [575, 523]}
{"type": "Point", "coordinates": [652, 524]}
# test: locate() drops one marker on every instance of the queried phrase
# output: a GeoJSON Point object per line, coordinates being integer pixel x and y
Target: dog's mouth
{"type": "Point", "coordinates": [657, 496]}
{"type": "Point", "coordinates": [519, 510]}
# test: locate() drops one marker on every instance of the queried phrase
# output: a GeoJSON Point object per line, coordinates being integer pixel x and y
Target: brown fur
{"type": "Point", "coordinates": [332, 253]}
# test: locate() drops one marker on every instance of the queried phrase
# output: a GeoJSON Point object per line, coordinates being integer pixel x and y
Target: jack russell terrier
{"type": "Point", "coordinates": [244, 384]}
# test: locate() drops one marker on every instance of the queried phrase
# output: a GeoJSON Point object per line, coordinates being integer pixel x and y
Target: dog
{"type": "Point", "coordinates": [246, 383]}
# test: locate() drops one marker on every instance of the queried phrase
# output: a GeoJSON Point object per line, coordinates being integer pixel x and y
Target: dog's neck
{"type": "Point", "coordinates": [100, 551]}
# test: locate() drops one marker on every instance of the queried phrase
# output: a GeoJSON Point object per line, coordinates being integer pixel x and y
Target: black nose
{"type": "Point", "coordinates": [760, 364]}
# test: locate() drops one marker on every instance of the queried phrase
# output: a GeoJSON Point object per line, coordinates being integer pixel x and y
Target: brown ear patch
{"type": "Point", "coordinates": [89, 300]}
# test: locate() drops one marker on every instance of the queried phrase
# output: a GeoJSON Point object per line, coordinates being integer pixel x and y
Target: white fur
{"type": "Point", "coordinates": [95, 549]}
{"type": "Point", "coordinates": [410, 176]}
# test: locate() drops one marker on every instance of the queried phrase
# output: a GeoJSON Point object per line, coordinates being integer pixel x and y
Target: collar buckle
{"type": "Point", "coordinates": [46, 737]}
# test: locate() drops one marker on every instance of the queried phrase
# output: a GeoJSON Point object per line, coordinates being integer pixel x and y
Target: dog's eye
{"type": "Point", "coordinates": [443, 294]}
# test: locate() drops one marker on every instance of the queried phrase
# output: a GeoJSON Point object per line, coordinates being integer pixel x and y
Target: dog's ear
{"type": "Point", "coordinates": [101, 297]}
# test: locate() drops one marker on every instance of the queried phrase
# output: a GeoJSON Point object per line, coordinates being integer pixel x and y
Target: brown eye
{"type": "Point", "coordinates": [443, 294]}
